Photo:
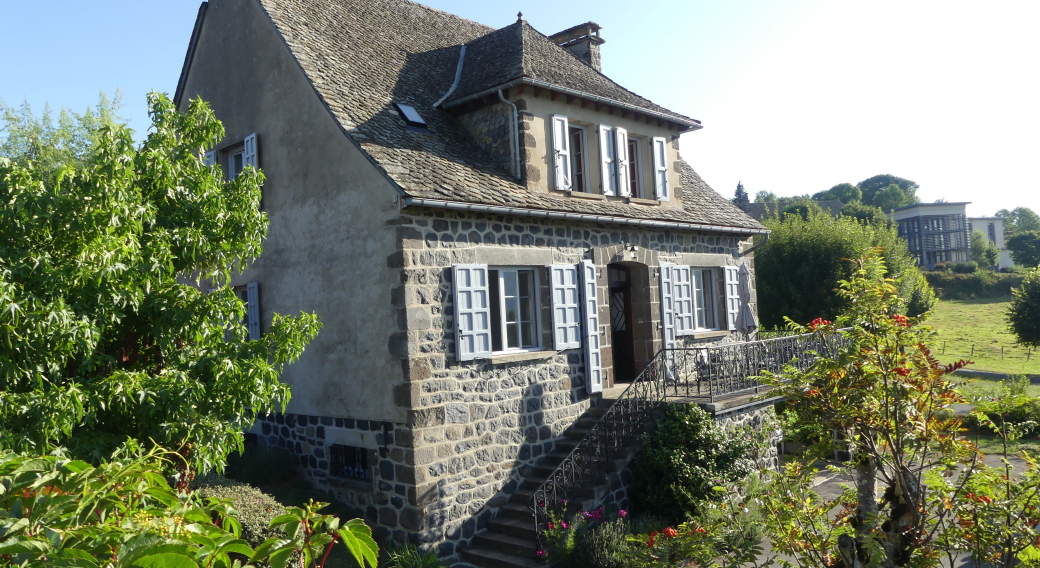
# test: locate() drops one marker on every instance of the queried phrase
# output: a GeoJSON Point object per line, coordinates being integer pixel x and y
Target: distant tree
{"type": "Point", "coordinates": [1024, 247]}
{"type": "Point", "coordinates": [765, 197]}
{"type": "Point", "coordinates": [799, 269]}
{"type": "Point", "coordinates": [891, 197]}
{"type": "Point", "coordinates": [877, 184]}
{"type": "Point", "coordinates": [844, 192]}
{"type": "Point", "coordinates": [800, 207]}
{"type": "Point", "coordinates": [1023, 314]}
{"type": "Point", "coordinates": [740, 197]}
{"type": "Point", "coordinates": [1019, 219]}
{"type": "Point", "coordinates": [864, 213]}
{"type": "Point", "coordinates": [941, 200]}
{"type": "Point", "coordinates": [983, 251]}
{"type": "Point", "coordinates": [47, 144]}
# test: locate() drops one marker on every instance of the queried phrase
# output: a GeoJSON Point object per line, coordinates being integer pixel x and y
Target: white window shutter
{"type": "Point", "coordinates": [667, 306]}
{"type": "Point", "coordinates": [682, 299]}
{"type": "Point", "coordinates": [607, 175]}
{"type": "Point", "coordinates": [561, 153]}
{"type": "Point", "coordinates": [732, 296]}
{"type": "Point", "coordinates": [563, 279]}
{"type": "Point", "coordinates": [622, 158]}
{"type": "Point", "coordinates": [593, 357]}
{"type": "Point", "coordinates": [661, 189]}
{"type": "Point", "coordinates": [472, 311]}
{"type": "Point", "coordinates": [253, 309]}
{"type": "Point", "coordinates": [249, 153]}
{"type": "Point", "coordinates": [210, 158]}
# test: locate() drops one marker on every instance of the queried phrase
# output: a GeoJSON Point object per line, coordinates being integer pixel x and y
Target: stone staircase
{"type": "Point", "coordinates": [509, 540]}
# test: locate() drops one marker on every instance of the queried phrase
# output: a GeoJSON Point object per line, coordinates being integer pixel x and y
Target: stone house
{"type": "Point", "coordinates": [495, 234]}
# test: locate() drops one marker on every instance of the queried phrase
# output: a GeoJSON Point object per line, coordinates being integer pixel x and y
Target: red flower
{"type": "Point", "coordinates": [551, 525]}
{"type": "Point", "coordinates": [700, 530]}
{"type": "Point", "coordinates": [903, 372]}
{"type": "Point", "coordinates": [670, 532]}
{"type": "Point", "coordinates": [650, 543]}
{"type": "Point", "coordinates": [900, 320]}
{"type": "Point", "coordinates": [818, 322]}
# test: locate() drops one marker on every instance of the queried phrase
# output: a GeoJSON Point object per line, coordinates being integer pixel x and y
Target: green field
{"type": "Point", "coordinates": [960, 324]}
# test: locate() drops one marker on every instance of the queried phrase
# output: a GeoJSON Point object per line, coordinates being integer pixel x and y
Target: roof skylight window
{"type": "Point", "coordinates": [410, 115]}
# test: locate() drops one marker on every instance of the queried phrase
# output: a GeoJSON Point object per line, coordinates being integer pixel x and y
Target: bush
{"type": "Point", "coordinates": [602, 546]}
{"type": "Point", "coordinates": [1010, 404]}
{"type": "Point", "coordinates": [255, 508]}
{"type": "Point", "coordinates": [684, 459]}
{"type": "Point", "coordinates": [964, 267]}
{"type": "Point", "coordinates": [939, 267]}
{"type": "Point", "coordinates": [408, 556]}
{"type": "Point", "coordinates": [982, 284]}
{"type": "Point", "coordinates": [1023, 314]}
{"type": "Point", "coordinates": [262, 467]}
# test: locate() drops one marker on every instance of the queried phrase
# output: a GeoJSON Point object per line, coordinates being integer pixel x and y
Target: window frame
{"type": "Point", "coordinates": [497, 320]}
{"type": "Point", "coordinates": [585, 186]}
{"type": "Point", "coordinates": [635, 165]}
{"type": "Point", "coordinates": [239, 151]}
{"type": "Point", "coordinates": [707, 303]}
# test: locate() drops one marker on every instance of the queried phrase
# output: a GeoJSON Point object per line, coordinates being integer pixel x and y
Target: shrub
{"type": "Point", "coordinates": [1023, 314]}
{"type": "Point", "coordinates": [684, 458]}
{"type": "Point", "coordinates": [1010, 404]}
{"type": "Point", "coordinates": [939, 267]}
{"type": "Point", "coordinates": [255, 508]}
{"type": "Point", "coordinates": [262, 467]}
{"type": "Point", "coordinates": [982, 284]}
{"type": "Point", "coordinates": [964, 267]}
{"type": "Point", "coordinates": [602, 546]}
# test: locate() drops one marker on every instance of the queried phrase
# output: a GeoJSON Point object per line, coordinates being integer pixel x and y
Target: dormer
{"type": "Point", "coordinates": [576, 133]}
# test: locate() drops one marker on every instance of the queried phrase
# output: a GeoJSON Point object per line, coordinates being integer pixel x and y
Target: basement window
{"type": "Point", "coordinates": [348, 461]}
{"type": "Point", "coordinates": [411, 116]}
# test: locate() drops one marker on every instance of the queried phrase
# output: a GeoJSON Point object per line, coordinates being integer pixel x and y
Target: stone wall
{"type": "Point", "coordinates": [761, 417]}
{"type": "Point", "coordinates": [492, 128]}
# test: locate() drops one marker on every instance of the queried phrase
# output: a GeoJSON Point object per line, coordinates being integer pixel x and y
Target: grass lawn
{"type": "Point", "coordinates": [980, 322]}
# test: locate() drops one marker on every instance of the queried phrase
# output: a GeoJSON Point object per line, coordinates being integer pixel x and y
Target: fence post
{"type": "Point", "coordinates": [972, 349]}
{"type": "Point", "coordinates": [1001, 352]}
{"type": "Point", "coordinates": [944, 348]}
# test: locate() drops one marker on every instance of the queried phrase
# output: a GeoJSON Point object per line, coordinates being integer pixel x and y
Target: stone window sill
{"type": "Point", "coordinates": [641, 201]}
{"type": "Point", "coordinates": [584, 195]}
{"type": "Point", "coordinates": [519, 357]}
{"type": "Point", "coordinates": [708, 334]}
{"type": "Point", "coordinates": [355, 484]}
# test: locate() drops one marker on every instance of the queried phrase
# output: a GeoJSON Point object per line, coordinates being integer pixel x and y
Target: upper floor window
{"type": "Point", "coordinates": [635, 169]}
{"type": "Point", "coordinates": [661, 189]}
{"type": "Point", "coordinates": [579, 177]}
{"type": "Point", "coordinates": [246, 155]}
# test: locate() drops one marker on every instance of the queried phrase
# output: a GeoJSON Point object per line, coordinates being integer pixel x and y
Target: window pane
{"type": "Point", "coordinates": [511, 310]}
{"type": "Point", "coordinates": [236, 164]}
{"type": "Point", "coordinates": [578, 159]}
{"type": "Point", "coordinates": [496, 310]}
{"type": "Point", "coordinates": [633, 167]}
{"type": "Point", "coordinates": [709, 298]}
{"type": "Point", "coordinates": [513, 335]}
{"type": "Point", "coordinates": [509, 279]}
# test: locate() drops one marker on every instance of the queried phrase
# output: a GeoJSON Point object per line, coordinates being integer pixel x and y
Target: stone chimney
{"type": "Point", "coordinates": [582, 40]}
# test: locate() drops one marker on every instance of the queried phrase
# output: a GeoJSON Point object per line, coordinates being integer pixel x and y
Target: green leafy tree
{"type": "Point", "coordinates": [50, 144]}
{"type": "Point", "coordinates": [864, 213]}
{"type": "Point", "coordinates": [103, 344]}
{"type": "Point", "coordinates": [983, 251]}
{"type": "Point", "coordinates": [799, 269]}
{"type": "Point", "coordinates": [1019, 219]}
{"type": "Point", "coordinates": [765, 197]}
{"type": "Point", "coordinates": [844, 192]}
{"type": "Point", "coordinates": [60, 512]}
{"type": "Point", "coordinates": [873, 186]}
{"type": "Point", "coordinates": [890, 404]}
{"type": "Point", "coordinates": [890, 198]}
{"type": "Point", "coordinates": [1023, 313]}
{"type": "Point", "coordinates": [1024, 247]}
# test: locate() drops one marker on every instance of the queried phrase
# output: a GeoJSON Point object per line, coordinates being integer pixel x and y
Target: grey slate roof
{"type": "Point", "coordinates": [518, 50]}
{"type": "Point", "coordinates": [700, 199]}
{"type": "Point", "coordinates": [363, 55]}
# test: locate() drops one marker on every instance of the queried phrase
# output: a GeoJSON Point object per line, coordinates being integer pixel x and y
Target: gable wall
{"type": "Point", "coordinates": [328, 243]}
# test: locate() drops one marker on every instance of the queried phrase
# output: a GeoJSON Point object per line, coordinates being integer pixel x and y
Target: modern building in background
{"type": "Point", "coordinates": [993, 228]}
{"type": "Point", "coordinates": [934, 232]}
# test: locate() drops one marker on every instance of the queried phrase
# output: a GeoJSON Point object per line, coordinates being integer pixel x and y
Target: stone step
{"type": "Point", "coordinates": [516, 511]}
{"type": "Point", "coordinates": [491, 558]}
{"type": "Point", "coordinates": [525, 547]}
{"type": "Point", "coordinates": [513, 527]}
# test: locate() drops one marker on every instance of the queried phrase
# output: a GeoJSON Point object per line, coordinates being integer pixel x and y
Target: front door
{"type": "Point", "coordinates": [620, 281]}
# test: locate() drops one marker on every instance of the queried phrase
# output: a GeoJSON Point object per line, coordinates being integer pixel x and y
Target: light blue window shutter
{"type": "Point", "coordinates": [253, 309]}
{"type": "Point", "coordinates": [210, 158]}
{"type": "Point", "coordinates": [563, 279]}
{"type": "Point", "coordinates": [607, 174]}
{"type": "Point", "coordinates": [661, 189]}
{"type": "Point", "coordinates": [732, 296]}
{"type": "Point", "coordinates": [622, 158]}
{"type": "Point", "coordinates": [249, 153]}
{"type": "Point", "coordinates": [682, 300]}
{"type": "Point", "coordinates": [667, 306]}
{"type": "Point", "coordinates": [561, 153]}
{"type": "Point", "coordinates": [472, 312]}
{"type": "Point", "coordinates": [593, 356]}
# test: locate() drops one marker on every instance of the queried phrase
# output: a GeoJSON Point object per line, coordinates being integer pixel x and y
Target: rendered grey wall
{"type": "Point", "coordinates": [328, 242]}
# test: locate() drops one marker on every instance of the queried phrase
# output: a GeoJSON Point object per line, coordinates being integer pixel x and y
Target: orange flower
{"type": "Point", "coordinates": [670, 532]}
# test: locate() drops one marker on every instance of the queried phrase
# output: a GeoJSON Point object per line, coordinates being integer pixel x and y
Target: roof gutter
{"type": "Point", "coordinates": [527, 212]}
{"type": "Point", "coordinates": [458, 75]}
{"type": "Point", "coordinates": [693, 124]}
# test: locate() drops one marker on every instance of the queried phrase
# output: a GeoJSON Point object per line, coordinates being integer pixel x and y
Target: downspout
{"type": "Point", "coordinates": [455, 84]}
{"type": "Point", "coordinates": [516, 133]}
{"type": "Point", "coordinates": [765, 239]}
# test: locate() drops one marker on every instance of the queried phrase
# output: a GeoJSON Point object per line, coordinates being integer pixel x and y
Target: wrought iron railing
{"type": "Point", "coordinates": [696, 372]}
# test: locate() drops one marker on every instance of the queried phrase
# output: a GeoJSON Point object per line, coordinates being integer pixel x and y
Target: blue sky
{"type": "Point", "coordinates": [795, 96]}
